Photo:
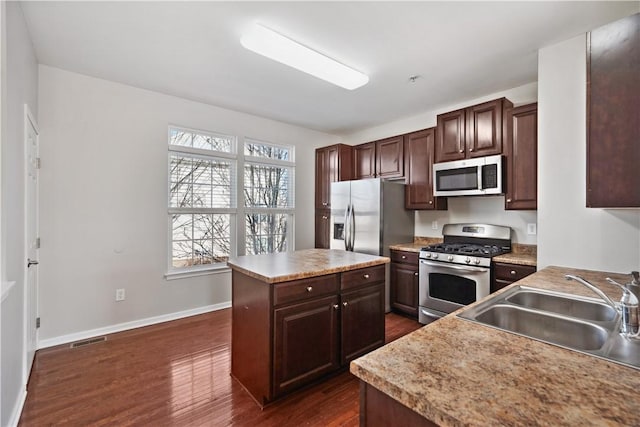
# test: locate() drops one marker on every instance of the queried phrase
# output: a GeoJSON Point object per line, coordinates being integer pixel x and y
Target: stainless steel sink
{"type": "Point", "coordinates": [558, 330]}
{"type": "Point", "coordinates": [573, 306]}
{"type": "Point", "coordinates": [573, 322]}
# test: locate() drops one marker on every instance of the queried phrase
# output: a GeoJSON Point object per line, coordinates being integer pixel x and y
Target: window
{"type": "Point", "coordinates": [268, 197]}
{"type": "Point", "coordinates": [204, 188]}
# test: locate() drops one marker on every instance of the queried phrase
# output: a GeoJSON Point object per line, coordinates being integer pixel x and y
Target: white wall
{"type": "Point", "coordinates": [21, 87]}
{"type": "Point", "coordinates": [461, 209]}
{"type": "Point", "coordinates": [104, 202]}
{"type": "Point", "coordinates": [569, 233]}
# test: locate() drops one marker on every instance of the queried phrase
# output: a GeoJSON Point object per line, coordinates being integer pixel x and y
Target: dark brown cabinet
{"type": "Point", "coordinates": [419, 154]}
{"type": "Point", "coordinates": [613, 114]}
{"type": "Point", "coordinates": [364, 161]}
{"type": "Point", "coordinates": [390, 157]}
{"type": "Point", "coordinates": [404, 282]}
{"type": "Point", "coordinates": [504, 274]}
{"type": "Point", "coordinates": [474, 131]}
{"type": "Point", "coordinates": [333, 163]}
{"type": "Point", "coordinates": [522, 159]}
{"type": "Point", "coordinates": [362, 321]}
{"type": "Point", "coordinates": [306, 342]}
{"type": "Point", "coordinates": [379, 159]}
{"type": "Point", "coordinates": [322, 225]}
{"type": "Point", "coordinates": [288, 334]}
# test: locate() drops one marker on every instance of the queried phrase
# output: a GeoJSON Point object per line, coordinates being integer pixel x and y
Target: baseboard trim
{"type": "Point", "coordinates": [65, 339]}
{"type": "Point", "coordinates": [17, 409]}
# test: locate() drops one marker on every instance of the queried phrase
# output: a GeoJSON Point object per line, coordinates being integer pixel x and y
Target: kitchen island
{"type": "Point", "coordinates": [456, 372]}
{"type": "Point", "coordinates": [300, 316]}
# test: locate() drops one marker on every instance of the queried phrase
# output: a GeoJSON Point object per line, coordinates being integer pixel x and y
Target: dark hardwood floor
{"type": "Point", "coordinates": [176, 374]}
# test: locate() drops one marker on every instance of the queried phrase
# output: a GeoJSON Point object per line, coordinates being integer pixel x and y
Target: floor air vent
{"type": "Point", "coordinates": [87, 342]}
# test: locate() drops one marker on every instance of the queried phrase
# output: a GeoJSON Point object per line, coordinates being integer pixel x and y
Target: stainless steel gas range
{"type": "Point", "coordinates": [457, 272]}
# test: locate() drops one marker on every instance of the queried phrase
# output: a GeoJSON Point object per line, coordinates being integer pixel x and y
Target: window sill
{"type": "Point", "coordinates": [174, 275]}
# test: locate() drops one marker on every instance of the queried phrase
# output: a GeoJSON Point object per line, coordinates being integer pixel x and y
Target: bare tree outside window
{"type": "Point", "coordinates": [202, 195]}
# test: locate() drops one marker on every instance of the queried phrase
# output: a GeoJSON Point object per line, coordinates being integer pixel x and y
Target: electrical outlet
{"type": "Point", "coordinates": [119, 294]}
{"type": "Point", "coordinates": [434, 225]}
{"type": "Point", "coordinates": [532, 229]}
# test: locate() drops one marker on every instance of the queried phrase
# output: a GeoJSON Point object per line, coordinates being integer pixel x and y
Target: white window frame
{"type": "Point", "coordinates": [243, 210]}
{"type": "Point", "coordinates": [232, 156]}
{"type": "Point", "coordinates": [239, 211]}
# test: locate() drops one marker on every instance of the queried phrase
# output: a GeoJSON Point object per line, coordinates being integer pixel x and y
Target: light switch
{"type": "Point", "coordinates": [532, 229]}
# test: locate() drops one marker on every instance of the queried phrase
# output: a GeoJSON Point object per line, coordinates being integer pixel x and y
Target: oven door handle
{"type": "Point", "coordinates": [455, 267]}
{"type": "Point", "coordinates": [430, 314]}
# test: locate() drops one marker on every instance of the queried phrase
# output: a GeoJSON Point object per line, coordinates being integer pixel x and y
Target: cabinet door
{"type": "Point", "coordinates": [484, 128]}
{"type": "Point", "coordinates": [390, 158]}
{"type": "Point", "coordinates": [419, 149]}
{"type": "Point", "coordinates": [305, 342]}
{"type": "Point", "coordinates": [522, 159]}
{"type": "Point", "coordinates": [362, 321]}
{"type": "Point", "coordinates": [323, 186]}
{"type": "Point", "coordinates": [364, 160]}
{"type": "Point", "coordinates": [613, 114]}
{"type": "Point", "coordinates": [322, 228]}
{"type": "Point", "coordinates": [404, 288]}
{"type": "Point", "coordinates": [450, 136]}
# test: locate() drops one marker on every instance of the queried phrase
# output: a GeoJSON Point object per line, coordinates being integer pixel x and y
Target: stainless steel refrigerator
{"type": "Point", "coordinates": [368, 215]}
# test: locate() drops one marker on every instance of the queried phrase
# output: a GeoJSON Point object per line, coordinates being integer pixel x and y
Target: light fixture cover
{"type": "Point", "coordinates": [275, 46]}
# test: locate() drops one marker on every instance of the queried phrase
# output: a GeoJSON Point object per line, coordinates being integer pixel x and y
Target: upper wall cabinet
{"type": "Point", "coordinates": [521, 152]}
{"type": "Point", "coordinates": [364, 161]}
{"type": "Point", "coordinates": [333, 164]}
{"type": "Point", "coordinates": [389, 157]}
{"type": "Point", "coordinates": [381, 159]}
{"type": "Point", "coordinates": [418, 162]}
{"type": "Point", "coordinates": [473, 131]}
{"type": "Point", "coordinates": [613, 114]}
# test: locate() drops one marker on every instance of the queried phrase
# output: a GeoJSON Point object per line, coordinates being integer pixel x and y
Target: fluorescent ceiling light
{"type": "Point", "coordinates": [268, 43]}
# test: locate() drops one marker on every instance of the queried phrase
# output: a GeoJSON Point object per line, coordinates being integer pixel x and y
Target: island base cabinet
{"type": "Point", "coordinates": [379, 410]}
{"type": "Point", "coordinates": [306, 342]}
{"type": "Point", "coordinates": [362, 321]}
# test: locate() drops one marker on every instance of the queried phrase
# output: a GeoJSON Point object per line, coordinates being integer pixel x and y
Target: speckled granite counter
{"type": "Point", "coordinates": [285, 266]}
{"type": "Point", "coordinates": [455, 372]}
{"type": "Point", "coordinates": [417, 244]}
{"type": "Point", "coordinates": [521, 254]}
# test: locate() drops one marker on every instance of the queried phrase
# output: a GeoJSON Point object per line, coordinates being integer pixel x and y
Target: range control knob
{"type": "Point", "coordinates": [450, 257]}
{"type": "Point", "coordinates": [428, 255]}
{"type": "Point", "coordinates": [477, 261]}
{"type": "Point", "coordinates": [434, 256]}
{"type": "Point", "coordinates": [467, 260]}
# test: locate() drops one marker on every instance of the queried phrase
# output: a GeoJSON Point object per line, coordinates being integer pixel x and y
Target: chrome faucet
{"type": "Point", "coordinates": [628, 306]}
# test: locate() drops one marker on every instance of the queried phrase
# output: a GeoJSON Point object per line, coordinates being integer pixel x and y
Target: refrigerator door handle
{"type": "Point", "coordinates": [352, 228]}
{"type": "Point", "coordinates": [347, 212]}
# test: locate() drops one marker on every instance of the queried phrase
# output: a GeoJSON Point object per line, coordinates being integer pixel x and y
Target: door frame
{"type": "Point", "coordinates": [29, 120]}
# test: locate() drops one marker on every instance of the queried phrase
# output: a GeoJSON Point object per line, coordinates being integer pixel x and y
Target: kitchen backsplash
{"type": "Point", "coordinates": [488, 209]}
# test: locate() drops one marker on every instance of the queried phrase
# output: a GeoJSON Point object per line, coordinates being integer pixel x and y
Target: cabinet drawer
{"type": "Point", "coordinates": [362, 277]}
{"type": "Point", "coordinates": [404, 256]}
{"type": "Point", "coordinates": [512, 272]}
{"type": "Point", "coordinates": [299, 290]}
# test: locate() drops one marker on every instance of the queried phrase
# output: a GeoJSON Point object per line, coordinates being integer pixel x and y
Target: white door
{"type": "Point", "coordinates": [32, 242]}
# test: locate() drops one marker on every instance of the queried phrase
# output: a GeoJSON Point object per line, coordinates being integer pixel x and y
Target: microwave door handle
{"type": "Point", "coordinates": [480, 182]}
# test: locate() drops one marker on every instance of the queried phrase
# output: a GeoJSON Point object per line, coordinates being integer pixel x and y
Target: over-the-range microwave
{"type": "Point", "coordinates": [471, 177]}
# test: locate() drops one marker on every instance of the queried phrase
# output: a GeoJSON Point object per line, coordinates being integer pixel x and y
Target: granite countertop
{"type": "Point", "coordinates": [417, 244]}
{"type": "Point", "coordinates": [285, 266]}
{"type": "Point", "coordinates": [455, 372]}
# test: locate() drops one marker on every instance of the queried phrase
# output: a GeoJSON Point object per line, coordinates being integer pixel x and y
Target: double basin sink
{"type": "Point", "coordinates": [577, 323]}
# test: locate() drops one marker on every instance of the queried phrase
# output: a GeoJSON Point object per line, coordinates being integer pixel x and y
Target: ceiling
{"type": "Point", "coordinates": [460, 50]}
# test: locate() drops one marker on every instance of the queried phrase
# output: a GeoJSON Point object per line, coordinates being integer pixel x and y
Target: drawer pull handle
{"type": "Point", "coordinates": [345, 303]}
{"type": "Point", "coordinates": [415, 274]}
{"type": "Point", "coordinates": [324, 217]}
{"type": "Point", "coordinates": [513, 272]}
{"type": "Point", "coordinates": [335, 306]}
{"type": "Point", "coordinates": [508, 200]}
{"type": "Point", "coordinates": [404, 257]}
{"type": "Point", "coordinates": [366, 276]}
{"type": "Point", "coordinates": [309, 288]}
